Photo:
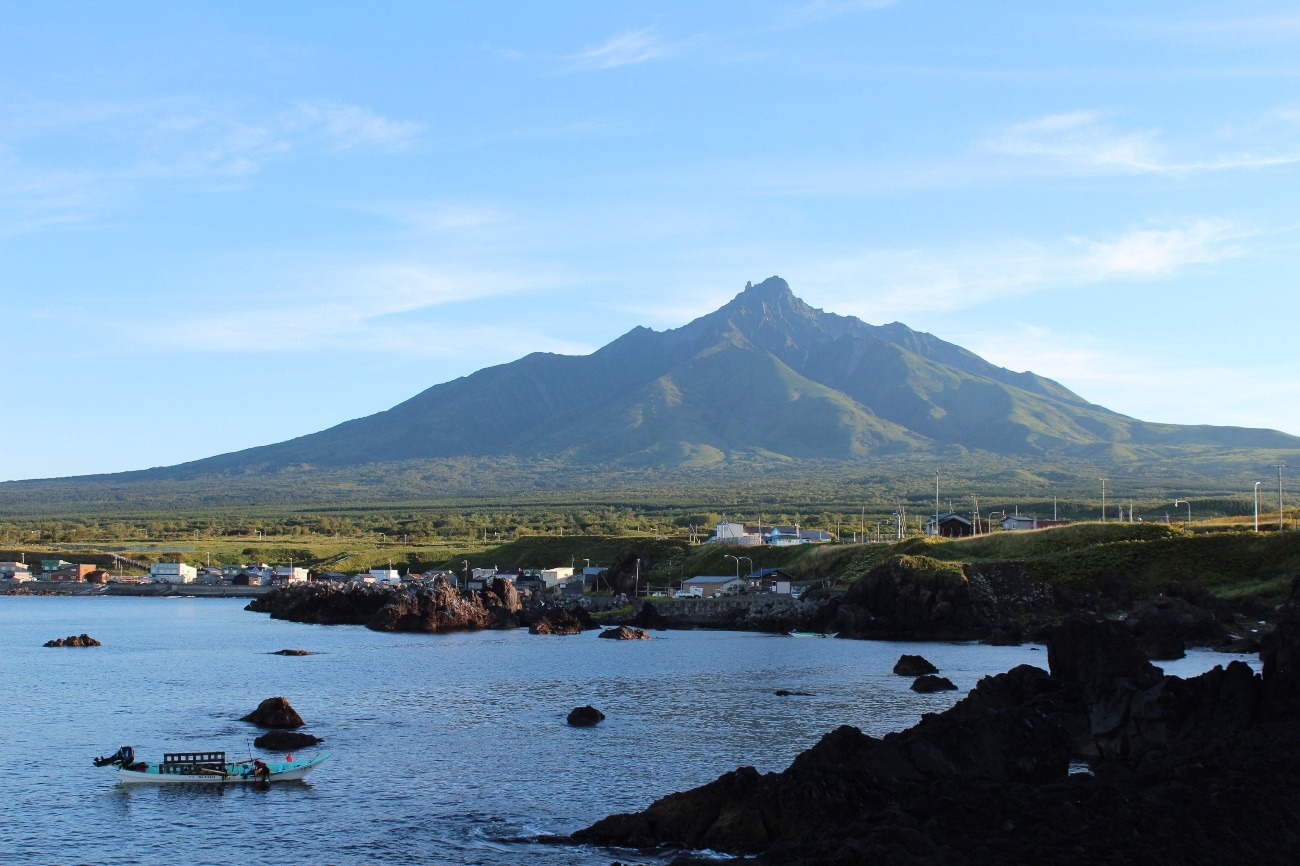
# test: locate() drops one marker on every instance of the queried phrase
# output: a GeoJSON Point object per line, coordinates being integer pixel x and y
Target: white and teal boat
{"type": "Point", "coordinates": [205, 768]}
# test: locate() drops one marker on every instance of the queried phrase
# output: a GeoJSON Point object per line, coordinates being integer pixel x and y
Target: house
{"type": "Point", "coordinates": [386, 576]}
{"type": "Point", "coordinates": [1022, 521]}
{"type": "Point", "coordinates": [551, 577]}
{"type": "Point", "coordinates": [8, 569]}
{"type": "Point", "coordinates": [481, 577]}
{"type": "Point", "coordinates": [209, 575]}
{"type": "Point", "coordinates": [769, 580]}
{"type": "Point", "coordinates": [710, 585]}
{"type": "Point", "coordinates": [727, 532]}
{"type": "Point", "coordinates": [173, 572]}
{"type": "Point", "coordinates": [591, 576]}
{"type": "Point", "coordinates": [571, 586]}
{"type": "Point", "coordinates": [784, 535]}
{"type": "Point", "coordinates": [98, 576]}
{"type": "Point", "coordinates": [52, 565]}
{"type": "Point", "coordinates": [289, 575]}
{"type": "Point", "coordinates": [72, 573]}
{"type": "Point", "coordinates": [950, 525]}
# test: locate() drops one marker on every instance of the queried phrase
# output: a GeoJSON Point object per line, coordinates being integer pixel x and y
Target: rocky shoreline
{"type": "Point", "coordinates": [1197, 770]}
{"type": "Point", "coordinates": [905, 598]}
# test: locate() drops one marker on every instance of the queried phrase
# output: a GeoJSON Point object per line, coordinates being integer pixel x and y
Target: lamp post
{"type": "Point", "coordinates": [465, 562]}
{"type": "Point", "coordinates": [1178, 502]}
{"type": "Point", "coordinates": [737, 558]}
{"type": "Point", "coordinates": [1257, 486]}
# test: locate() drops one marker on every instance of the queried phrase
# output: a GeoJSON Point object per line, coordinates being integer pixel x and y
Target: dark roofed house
{"type": "Point", "coordinates": [950, 525]}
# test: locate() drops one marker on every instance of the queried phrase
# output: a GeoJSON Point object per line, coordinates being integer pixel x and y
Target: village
{"type": "Point", "coordinates": [568, 581]}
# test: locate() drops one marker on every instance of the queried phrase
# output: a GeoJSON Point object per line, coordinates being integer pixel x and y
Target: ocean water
{"type": "Point", "coordinates": [446, 748]}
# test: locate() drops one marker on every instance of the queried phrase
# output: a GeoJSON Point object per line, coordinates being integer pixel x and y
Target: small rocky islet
{"type": "Point", "coordinates": [73, 640]}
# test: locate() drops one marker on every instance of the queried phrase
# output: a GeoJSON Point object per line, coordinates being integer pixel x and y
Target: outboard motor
{"type": "Point", "coordinates": [122, 757]}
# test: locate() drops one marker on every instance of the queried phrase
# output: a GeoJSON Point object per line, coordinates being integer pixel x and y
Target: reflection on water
{"type": "Point", "coordinates": [447, 748]}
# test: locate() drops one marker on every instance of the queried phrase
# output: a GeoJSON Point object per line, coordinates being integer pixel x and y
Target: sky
{"type": "Point", "coordinates": [227, 224]}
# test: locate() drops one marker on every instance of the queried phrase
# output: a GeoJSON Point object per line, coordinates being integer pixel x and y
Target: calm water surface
{"type": "Point", "coordinates": [447, 748]}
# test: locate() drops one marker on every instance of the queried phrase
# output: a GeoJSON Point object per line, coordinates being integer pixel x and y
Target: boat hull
{"type": "Point", "coordinates": [236, 774]}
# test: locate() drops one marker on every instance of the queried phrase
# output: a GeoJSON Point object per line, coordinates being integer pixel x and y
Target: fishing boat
{"type": "Point", "coordinates": [794, 633]}
{"type": "Point", "coordinates": [203, 768]}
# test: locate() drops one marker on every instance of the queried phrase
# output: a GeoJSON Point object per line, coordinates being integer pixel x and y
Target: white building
{"type": "Point", "coordinates": [173, 572]}
{"type": "Point", "coordinates": [389, 576]}
{"type": "Point", "coordinates": [727, 532]}
{"type": "Point", "coordinates": [553, 576]}
{"type": "Point", "coordinates": [287, 574]}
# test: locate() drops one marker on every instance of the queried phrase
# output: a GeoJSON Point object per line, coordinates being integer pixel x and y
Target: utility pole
{"type": "Point", "coordinates": [975, 497]}
{"type": "Point", "coordinates": [1257, 485]}
{"type": "Point", "coordinates": [1279, 467]}
{"type": "Point", "coordinates": [1103, 500]}
{"type": "Point", "coordinates": [936, 503]}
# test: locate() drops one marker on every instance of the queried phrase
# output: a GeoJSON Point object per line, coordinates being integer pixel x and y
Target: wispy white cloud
{"type": "Point", "coordinates": [623, 49]}
{"type": "Point", "coordinates": [1085, 141]}
{"type": "Point", "coordinates": [883, 284]}
{"type": "Point", "coordinates": [66, 162]}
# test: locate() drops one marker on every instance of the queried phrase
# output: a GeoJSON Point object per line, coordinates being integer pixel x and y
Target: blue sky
{"type": "Point", "coordinates": [227, 224]}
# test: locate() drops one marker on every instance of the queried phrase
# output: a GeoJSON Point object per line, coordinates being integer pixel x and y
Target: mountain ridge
{"type": "Point", "coordinates": [765, 374]}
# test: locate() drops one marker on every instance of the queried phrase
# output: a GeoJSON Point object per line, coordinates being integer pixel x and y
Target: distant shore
{"type": "Point", "coordinates": [137, 590]}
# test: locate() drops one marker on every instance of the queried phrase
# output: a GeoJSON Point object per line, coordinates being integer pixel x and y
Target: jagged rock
{"type": "Point", "coordinates": [1281, 656]}
{"type": "Point", "coordinates": [74, 640]}
{"type": "Point", "coordinates": [908, 598]}
{"type": "Point", "coordinates": [913, 666]}
{"type": "Point", "coordinates": [275, 713]}
{"type": "Point", "coordinates": [437, 608]}
{"type": "Point", "coordinates": [650, 617]}
{"type": "Point", "coordinates": [292, 652]}
{"type": "Point", "coordinates": [1165, 625]}
{"type": "Point", "coordinates": [563, 620]}
{"type": "Point", "coordinates": [930, 683]}
{"type": "Point", "coordinates": [285, 741]}
{"type": "Point", "coordinates": [624, 632]}
{"type": "Point", "coordinates": [1004, 636]}
{"type": "Point", "coordinates": [585, 717]}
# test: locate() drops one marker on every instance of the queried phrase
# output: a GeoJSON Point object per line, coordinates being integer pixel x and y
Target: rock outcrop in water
{"type": "Point", "coordinates": [573, 619]}
{"type": "Point", "coordinates": [274, 713]}
{"type": "Point", "coordinates": [285, 741]}
{"type": "Point", "coordinates": [436, 608]}
{"type": "Point", "coordinates": [585, 717]}
{"type": "Point", "coordinates": [624, 632]}
{"type": "Point", "coordinates": [914, 666]}
{"type": "Point", "coordinates": [74, 640]}
{"type": "Point", "coordinates": [1195, 770]}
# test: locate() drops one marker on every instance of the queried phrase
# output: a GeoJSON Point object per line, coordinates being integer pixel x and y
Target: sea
{"type": "Point", "coordinates": [446, 749]}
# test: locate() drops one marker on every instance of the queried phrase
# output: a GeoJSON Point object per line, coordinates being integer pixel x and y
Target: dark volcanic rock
{"type": "Point", "coordinates": [650, 617]}
{"type": "Point", "coordinates": [74, 640]}
{"type": "Point", "coordinates": [1165, 625]}
{"type": "Point", "coordinates": [913, 666]}
{"type": "Point", "coordinates": [1185, 771]}
{"type": "Point", "coordinates": [624, 632]}
{"type": "Point", "coordinates": [285, 741]}
{"type": "Point", "coordinates": [292, 652]}
{"type": "Point", "coordinates": [563, 620]}
{"type": "Point", "coordinates": [908, 598]}
{"type": "Point", "coordinates": [585, 717]}
{"type": "Point", "coordinates": [437, 608]}
{"type": "Point", "coordinates": [931, 683]}
{"type": "Point", "coordinates": [275, 713]}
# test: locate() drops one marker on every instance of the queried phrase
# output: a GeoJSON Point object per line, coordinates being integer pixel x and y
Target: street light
{"type": "Point", "coordinates": [1257, 486]}
{"type": "Point", "coordinates": [747, 559]}
{"type": "Point", "coordinates": [465, 562]}
{"type": "Point", "coordinates": [737, 558]}
{"type": "Point", "coordinates": [1178, 502]}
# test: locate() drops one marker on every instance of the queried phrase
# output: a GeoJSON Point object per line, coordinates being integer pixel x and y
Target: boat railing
{"type": "Point", "coordinates": [193, 763]}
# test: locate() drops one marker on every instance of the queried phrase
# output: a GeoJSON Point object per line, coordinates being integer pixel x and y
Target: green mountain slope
{"type": "Point", "coordinates": [764, 379]}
